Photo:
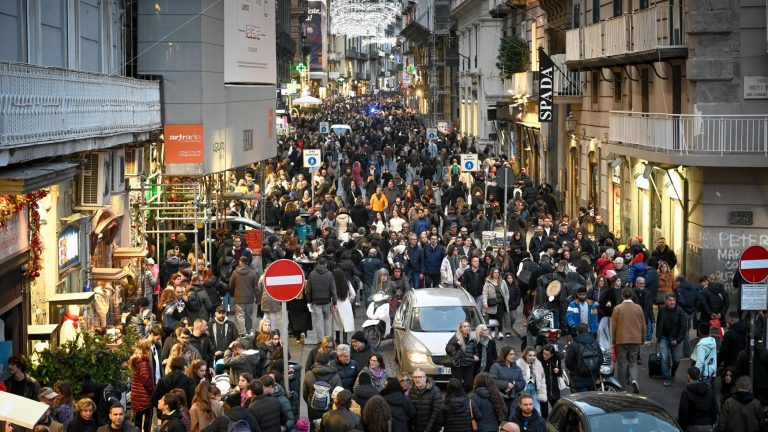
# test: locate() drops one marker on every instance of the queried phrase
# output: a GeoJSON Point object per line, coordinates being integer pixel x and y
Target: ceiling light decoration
{"type": "Point", "coordinates": [367, 18]}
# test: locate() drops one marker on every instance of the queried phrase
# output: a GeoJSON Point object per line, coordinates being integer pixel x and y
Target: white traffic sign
{"type": "Point", "coordinates": [431, 134]}
{"type": "Point", "coordinates": [754, 297]}
{"type": "Point", "coordinates": [469, 162]}
{"type": "Point", "coordinates": [312, 158]}
{"type": "Point", "coordinates": [325, 127]}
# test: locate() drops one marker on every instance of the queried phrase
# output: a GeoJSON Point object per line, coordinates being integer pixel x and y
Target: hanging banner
{"type": "Point", "coordinates": [546, 87]}
{"type": "Point", "coordinates": [250, 49]}
{"type": "Point", "coordinates": [316, 35]}
{"type": "Point", "coordinates": [183, 153]}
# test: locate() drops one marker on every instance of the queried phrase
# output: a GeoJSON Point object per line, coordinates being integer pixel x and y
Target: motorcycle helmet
{"type": "Point", "coordinates": [397, 266]}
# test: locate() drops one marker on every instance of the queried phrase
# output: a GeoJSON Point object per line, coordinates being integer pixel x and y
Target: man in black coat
{"type": "Point", "coordinates": [345, 366]}
{"type": "Point", "coordinates": [581, 382]}
{"type": "Point", "coordinates": [341, 418]}
{"type": "Point", "coordinates": [321, 371]}
{"type": "Point", "coordinates": [526, 416]}
{"type": "Point", "coordinates": [427, 400]}
{"type": "Point", "coordinates": [175, 379]}
{"type": "Point", "coordinates": [670, 333]}
{"type": "Point", "coordinates": [266, 409]}
{"type": "Point", "coordinates": [698, 405]}
{"type": "Point", "coordinates": [734, 340]}
{"type": "Point", "coordinates": [361, 351]}
{"type": "Point", "coordinates": [664, 253]}
{"type": "Point", "coordinates": [233, 412]}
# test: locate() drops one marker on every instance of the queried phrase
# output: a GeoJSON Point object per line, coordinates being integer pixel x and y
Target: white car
{"type": "Point", "coordinates": [423, 324]}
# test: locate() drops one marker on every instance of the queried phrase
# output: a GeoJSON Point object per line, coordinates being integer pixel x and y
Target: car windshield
{"type": "Point", "coordinates": [631, 421]}
{"type": "Point", "coordinates": [439, 319]}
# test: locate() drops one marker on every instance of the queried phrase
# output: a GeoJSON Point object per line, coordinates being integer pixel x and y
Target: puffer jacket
{"type": "Point", "coordinates": [319, 372]}
{"type": "Point", "coordinates": [173, 380]}
{"type": "Point", "coordinates": [428, 403]}
{"type": "Point", "coordinates": [278, 392]}
{"type": "Point", "coordinates": [340, 420]}
{"type": "Point", "coordinates": [687, 297]}
{"type": "Point", "coordinates": [716, 301]}
{"type": "Point", "coordinates": [538, 376]}
{"type": "Point", "coordinates": [503, 375]}
{"type": "Point", "coordinates": [347, 372]}
{"type": "Point", "coordinates": [268, 412]}
{"type": "Point", "coordinates": [489, 418]}
{"type": "Point", "coordinates": [705, 356]}
{"type": "Point", "coordinates": [461, 358]}
{"type": "Point", "coordinates": [401, 408]}
{"type": "Point", "coordinates": [142, 384]}
{"type": "Point", "coordinates": [203, 303]}
{"type": "Point", "coordinates": [215, 289]}
{"type": "Point", "coordinates": [698, 405]}
{"type": "Point", "coordinates": [456, 416]}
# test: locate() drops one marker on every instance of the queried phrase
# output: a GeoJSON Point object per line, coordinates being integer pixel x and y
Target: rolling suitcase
{"type": "Point", "coordinates": [654, 363]}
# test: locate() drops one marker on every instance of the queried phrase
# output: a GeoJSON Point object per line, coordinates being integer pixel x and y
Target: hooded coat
{"type": "Point", "coordinates": [319, 372]}
{"type": "Point", "coordinates": [741, 412]}
{"type": "Point", "coordinates": [698, 405]}
{"type": "Point", "coordinates": [399, 405]}
{"type": "Point", "coordinates": [456, 417]}
{"type": "Point", "coordinates": [243, 281]}
{"type": "Point", "coordinates": [534, 423]}
{"type": "Point", "coordinates": [489, 418]}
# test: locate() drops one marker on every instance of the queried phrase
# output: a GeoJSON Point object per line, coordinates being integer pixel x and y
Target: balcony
{"type": "Point", "coordinates": [653, 34]}
{"type": "Point", "coordinates": [357, 55]}
{"type": "Point", "coordinates": [45, 105]}
{"type": "Point", "coordinates": [688, 135]}
{"type": "Point", "coordinates": [566, 83]}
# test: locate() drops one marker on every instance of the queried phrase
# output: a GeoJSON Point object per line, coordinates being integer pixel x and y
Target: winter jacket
{"type": "Point", "coordinates": [741, 412]}
{"type": "Point", "coordinates": [362, 393]}
{"type": "Point", "coordinates": [538, 376]}
{"type": "Point", "coordinates": [447, 271]}
{"type": "Point", "coordinates": [534, 423]}
{"type": "Point", "coordinates": [285, 405]}
{"type": "Point", "coordinates": [271, 214]}
{"type": "Point", "coordinates": [222, 333]}
{"type": "Point", "coordinates": [250, 361]}
{"type": "Point", "coordinates": [215, 289]}
{"type": "Point", "coordinates": [573, 315]}
{"type": "Point", "coordinates": [172, 422]}
{"type": "Point", "coordinates": [734, 342]}
{"type": "Point", "coordinates": [636, 270]}
{"type": "Point", "coordinates": [687, 297]}
{"type": "Point", "coordinates": [670, 324]}
{"type": "Point", "coordinates": [415, 262]}
{"type": "Point", "coordinates": [473, 281]}
{"type": "Point", "coordinates": [667, 255]}
{"type": "Point", "coordinates": [340, 420]}
{"type": "Point", "coordinates": [495, 294]}
{"type": "Point", "coordinates": [715, 301]}
{"type": "Point", "coordinates": [705, 357]}
{"type": "Point", "coordinates": [30, 388]}
{"type": "Point", "coordinates": [198, 296]}
{"type": "Point", "coordinates": [142, 384]}
{"type": "Point", "coordinates": [233, 414]}
{"type": "Point", "coordinates": [361, 357]}
{"type": "Point", "coordinates": [243, 283]}
{"type": "Point", "coordinates": [488, 420]}
{"type": "Point", "coordinates": [623, 274]}
{"type": "Point", "coordinates": [698, 405]}
{"type": "Point", "coordinates": [487, 353]}
{"type": "Point", "coordinates": [80, 425]}
{"type": "Point", "coordinates": [173, 380]}
{"type": "Point", "coordinates": [504, 375]}
{"type": "Point", "coordinates": [401, 408]}
{"type": "Point", "coordinates": [347, 372]}
{"type": "Point", "coordinates": [428, 404]}
{"type": "Point", "coordinates": [572, 360]}
{"type": "Point", "coordinates": [321, 288]}
{"type": "Point", "coordinates": [461, 358]}
{"type": "Point", "coordinates": [369, 266]}
{"type": "Point", "coordinates": [319, 372]}
{"type": "Point", "coordinates": [628, 324]}
{"type": "Point", "coordinates": [433, 258]}
{"type": "Point", "coordinates": [268, 413]}
{"type": "Point", "coordinates": [455, 414]}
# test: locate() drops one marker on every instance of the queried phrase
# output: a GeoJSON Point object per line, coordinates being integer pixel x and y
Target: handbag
{"type": "Point", "coordinates": [493, 301]}
{"type": "Point", "coordinates": [563, 382]}
{"type": "Point", "coordinates": [472, 420]}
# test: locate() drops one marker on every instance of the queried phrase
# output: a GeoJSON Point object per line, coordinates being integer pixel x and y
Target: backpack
{"type": "Point", "coordinates": [590, 358]}
{"type": "Point", "coordinates": [527, 271]}
{"type": "Point", "coordinates": [321, 396]}
{"type": "Point", "coordinates": [238, 425]}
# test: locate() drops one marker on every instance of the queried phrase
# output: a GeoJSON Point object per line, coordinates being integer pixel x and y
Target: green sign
{"type": "Point", "coordinates": [411, 69]}
{"type": "Point", "coordinates": [301, 68]}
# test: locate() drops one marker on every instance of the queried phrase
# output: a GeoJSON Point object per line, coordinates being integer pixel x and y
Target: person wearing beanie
{"type": "Point", "coordinates": [638, 269]}
{"type": "Point", "coordinates": [360, 349]}
{"type": "Point", "coordinates": [364, 390]}
{"type": "Point", "coordinates": [302, 425]}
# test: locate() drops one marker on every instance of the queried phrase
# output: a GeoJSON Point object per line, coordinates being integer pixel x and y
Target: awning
{"type": "Point", "coordinates": [129, 253]}
{"type": "Point", "coordinates": [29, 178]}
{"type": "Point", "coordinates": [21, 411]}
{"type": "Point", "coordinates": [105, 227]}
{"type": "Point", "coordinates": [108, 274]}
{"type": "Point", "coordinates": [415, 32]}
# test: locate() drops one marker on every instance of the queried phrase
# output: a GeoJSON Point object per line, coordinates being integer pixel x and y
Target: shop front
{"type": "Point", "coordinates": [14, 298]}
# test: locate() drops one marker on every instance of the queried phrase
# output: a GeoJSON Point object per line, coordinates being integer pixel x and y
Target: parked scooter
{"type": "Point", "coordinates": [377, 326]}
{"type": "Point", "coordinates": [605, 380]}
{"type": "Point", "coordinates": [541, 329]}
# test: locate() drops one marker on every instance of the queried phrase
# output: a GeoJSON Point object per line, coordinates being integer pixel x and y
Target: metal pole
{"type": "Point", "coordinates": [284, 335]}
{"type": "Point", "coordinates": [506, 205]}
{"type": "Point", "coordinates": [752, 350]}
{"type": "Point", "coordinates": [196, 203]}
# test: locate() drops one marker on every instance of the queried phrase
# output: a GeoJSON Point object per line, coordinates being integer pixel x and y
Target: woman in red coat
{"type": "Point", "coordinates": [142, 386]}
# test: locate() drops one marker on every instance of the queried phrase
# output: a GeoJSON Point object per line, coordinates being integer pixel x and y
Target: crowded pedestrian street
{"type": "Point", "coordinates": [374, 216]}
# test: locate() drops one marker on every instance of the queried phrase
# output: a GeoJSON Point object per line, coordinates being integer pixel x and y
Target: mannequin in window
{"type": "Point", "coordinates": [101, 303]}
{"type": "Point", "coordinates": [70, 325]}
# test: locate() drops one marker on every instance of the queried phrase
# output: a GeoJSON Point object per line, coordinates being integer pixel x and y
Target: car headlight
{"type": "Point", "coordinates": [606, 369]}
{"type": "Point", "coordinates": [419, 358]}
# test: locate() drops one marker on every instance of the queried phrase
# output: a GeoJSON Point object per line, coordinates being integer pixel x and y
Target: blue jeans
{"type": "Point", "coordinates": [531, 388]}
{"type": "Point", "coordinates": [648, 329]}
{"type": "Point", "coordinates": [415, 280]}
{"type": "Point", "coordinates": [367, 293]}
{"type": "Point", "coordinates": [670, 357]}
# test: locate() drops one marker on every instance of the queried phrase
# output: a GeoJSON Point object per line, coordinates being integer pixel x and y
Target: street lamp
{"type": "Point", "coordinates": [570, 123]}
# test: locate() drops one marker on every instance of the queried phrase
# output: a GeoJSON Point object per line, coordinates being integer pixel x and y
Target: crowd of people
{"type": "Point", "coordinates": [391, 211]}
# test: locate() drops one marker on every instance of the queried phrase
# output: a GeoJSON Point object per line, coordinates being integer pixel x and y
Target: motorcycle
{"type": "Point", "coordinates": [541, 329]}
{"type": "Point", "coordinates": [377, 326]}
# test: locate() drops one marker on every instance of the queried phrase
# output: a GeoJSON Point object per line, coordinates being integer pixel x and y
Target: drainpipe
{"type": "Point", "coordinates": [685, 223]}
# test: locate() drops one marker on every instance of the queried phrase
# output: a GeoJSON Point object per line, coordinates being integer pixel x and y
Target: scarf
{"type": "Point", "coordinates": [73, 318]}
{"type": "Point", "coordinates": [376, 373]}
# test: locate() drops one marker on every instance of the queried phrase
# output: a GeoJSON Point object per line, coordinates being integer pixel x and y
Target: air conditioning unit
{"type": "Point", "coordinates": [134, 161]}
{"type": "Point", "coordinates": [118, 170]}
{"type": "Point", "coordinates": [95, 180]}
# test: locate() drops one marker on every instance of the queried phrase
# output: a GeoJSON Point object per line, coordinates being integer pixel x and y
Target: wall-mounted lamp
{"type": "Point", "coordinates": [642, 182]}
{"type": "Point", "coordinates": [616, 163]}
{"type": "Point", "coordinates": [570, 123]}
{"type": "Point", "coordinates": [647, 171]}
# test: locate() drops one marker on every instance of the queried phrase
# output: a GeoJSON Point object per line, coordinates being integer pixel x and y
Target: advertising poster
{"type": "Point", "coordinates": [250, 50]}
{"type": "Point", "coordinates": [316, 32]}
{"type": "Point", "coordinates": [183, 154]}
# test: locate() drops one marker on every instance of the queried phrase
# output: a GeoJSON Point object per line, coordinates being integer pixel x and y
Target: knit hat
{"type": "Point", "coordinates": [639, 258]}
{"type": "Point", "coordinates": [610, 273]}
{"type": "Point", "coordinates": [302, 425]}
{"type": "Point", "coordinates": [359, 336]}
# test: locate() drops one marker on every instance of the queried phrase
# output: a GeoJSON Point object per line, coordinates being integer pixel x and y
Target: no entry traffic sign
{"type": "Point", "coordinates": [753, 264]}
{"type": "Point", "coordinates": [284, 280]}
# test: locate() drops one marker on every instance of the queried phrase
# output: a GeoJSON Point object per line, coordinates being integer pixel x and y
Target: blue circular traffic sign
{"type": "Point", "coordinates": [312, 161]}
{"type": "Point", "coordinates": [468, 165]}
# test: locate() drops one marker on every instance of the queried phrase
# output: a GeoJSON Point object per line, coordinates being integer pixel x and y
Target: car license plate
{"type": "Point", "coordinates": [444, 370]}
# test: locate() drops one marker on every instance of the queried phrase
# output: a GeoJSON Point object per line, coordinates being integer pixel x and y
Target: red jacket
{"type": "Point", "coordinates": [142, 384]}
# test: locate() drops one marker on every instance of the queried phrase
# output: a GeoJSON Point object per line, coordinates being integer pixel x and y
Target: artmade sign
{"type": "Point", "coordinates": [250, 50]}
{"type": "Point", "coordinates": [183, 153]}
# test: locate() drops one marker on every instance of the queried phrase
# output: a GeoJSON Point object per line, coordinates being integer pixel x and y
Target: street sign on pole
{"type": "Point", "coordinates": [284, 280]}
{"type": "Point", "coordinates": [325, 127]}
{"type": "Point", "coordinates": [431, 134]}
{"type": "Point", "coordinates": [469, 162]}
{"type": "Point", "coordinates": [312, 158]}
{"type": "Point", "coordinates": [754, 297]}
{"type": "Point", "coordinates": [753, 264]}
